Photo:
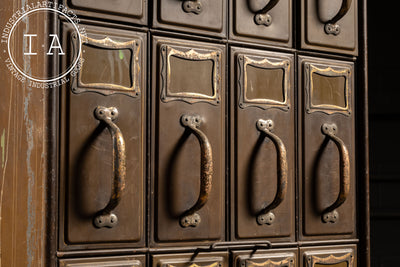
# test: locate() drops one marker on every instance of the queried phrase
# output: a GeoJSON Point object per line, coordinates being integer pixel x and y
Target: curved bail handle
{"type": "Point", "coordinates": [266, 216]}
{"type": "Point", "coordinates": [105, 217]}
{"type": "Point", "coordinates": [262, 17]}
{"type": "Point", "coordinates": [192, 6]}
{"type": "Point", "coordinates": [190, 217]}
{"type": "Point", "coordinates": [330, 214]}
{"type": "Point", "coordinates": [331, 26]}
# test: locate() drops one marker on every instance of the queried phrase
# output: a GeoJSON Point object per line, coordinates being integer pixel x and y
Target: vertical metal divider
{"type": "Point", "coordinates": [52, 142]}
{"type": "Point", "coordinates": [363, 187]}
{"type": "Point", "coordinates": [148, 101]}
{"type": "Point", "coordinates": [297, 163]}
{"type": "Point", "coordinates": [228, 150]}
{"type": "Point", "coordinates": [228, 134]}
{"type": "Point", "coordinates": [228, 143]}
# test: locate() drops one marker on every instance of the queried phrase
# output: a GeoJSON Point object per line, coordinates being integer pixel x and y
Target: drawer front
{"type": "Point", "coordinates": [102, 150]}
{"type": "Point", "coordinates": [127, 261]}
{"type": "Point", "coordinates": [206, 259]}
{"type": "Point", "coordinates": [332, 256]}
{"type": "Point", "coordinates": [262, 21]}
{"type": "Point", "coordinates": [134, 11]}
{"type": "Point", "coordinates": [194, 16]}
{"type": "Point", "coordinates": [189, 138]}
{"type": "Point", "coordinates": [263, 141]}
{"type": "Point", "coordinates": [329, 25]}
{"type": "Point", "coordinates": [270, 258]}
{"type": "Point", "coordinates": [328, 161]}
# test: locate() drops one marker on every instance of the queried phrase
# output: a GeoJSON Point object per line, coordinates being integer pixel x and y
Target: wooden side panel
{"type": "Point", "coordinates": [23, 156]}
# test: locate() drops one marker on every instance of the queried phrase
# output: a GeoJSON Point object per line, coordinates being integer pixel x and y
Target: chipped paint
{"type": "Point", "coordinates": [31, 175]}
{"type": "Point", "coordinates": [2, 146]}
{"type": "Point", "coordinates": [31, 180]}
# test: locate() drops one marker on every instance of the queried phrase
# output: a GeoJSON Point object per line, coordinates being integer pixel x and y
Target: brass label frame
{"type": "Point", "coordinates": [264, 63]}
{"type": "Point", "coordinates": [100, 262]}
{"type": "Point", "coordinates": [326, 258]}
{"type": "Point", "coordinates": [288, 261]}
{"type": "Point", "coordinates": [328, 71]}
{"type": "Point", "coordinates": [206, 262]}
{"type": "Point", "coordinates": [194, 54]}
{"type": "Point", "coordinates": [134, 46]}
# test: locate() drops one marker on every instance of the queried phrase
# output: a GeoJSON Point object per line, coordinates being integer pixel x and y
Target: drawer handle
{"type": "Point", "coordinates": [266, 216]}
{"type": "Point", "coordinates": [105, 217]}
{"type": "Point", "coordinates": [262, 17]}
{"type": "Point", "coordinates": [331, 26]}
{"type": "Point", "coordinates": [190, 217]}
{"type": "Point", "coordinates": [192, 6]}
{"type": "Point", "coordinates": [330, 214]}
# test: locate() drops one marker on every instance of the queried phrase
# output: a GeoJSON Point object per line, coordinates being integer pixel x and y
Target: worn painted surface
{"type": "Point", "coordinates": [23, 158]}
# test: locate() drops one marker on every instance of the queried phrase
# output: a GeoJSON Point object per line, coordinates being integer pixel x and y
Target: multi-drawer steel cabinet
{"type": "Point", "coordinates": [212, 133]}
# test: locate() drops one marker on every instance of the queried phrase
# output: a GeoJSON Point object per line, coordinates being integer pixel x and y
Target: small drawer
{"type": "Point", "coordinates": [194, 16]}
{"type": "Point", "coordinates": [329, 25]}
{"type": "Point", "coordinates": [133, 11]}
{"type": "Point", "coordinates": [332, 256]}
{"type": "Point", "coordinates": [102, 145]}
{"type": "Point", "coordinates": [127, 261]}
{"type": "Point", "coordinates": [328, 181]}
{"type": "Point", "coordinates": [265, 258]}
{"type": "Point", "coordinates": [268, 22]}
{"type": "Point", "coordinates": [189, 127]}
{"type": "Point", "coordinates": [263, 144]}
{"type": "Point", "coordinates": [206, 259]}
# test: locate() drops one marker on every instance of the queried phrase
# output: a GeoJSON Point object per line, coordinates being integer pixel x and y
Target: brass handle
{"type": "Point", "coordinates": [330, 214]}
{"type": "Point", "coordinates": [262, 17]}
{"type": "Point", "coordinates": [105, 217]}
{"type": "Point", "coordinates": [266, 216]}
{"type": "Point", "coordinates": [190, 217]}
{"type": "Point", "coordinates": [331, 26]}
{"type": "Point", "coordinates": [192, 6]}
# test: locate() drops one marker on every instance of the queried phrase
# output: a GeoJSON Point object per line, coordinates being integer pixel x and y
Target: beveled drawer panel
{"type": "Point", "coordinates": [102, 196]}
{"type": "Point", "coordinates": [189, 138]}
{"type": "Point", "coordinates": [328, 185]}
{"type": "Point", "coordinates": [263, 144]}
